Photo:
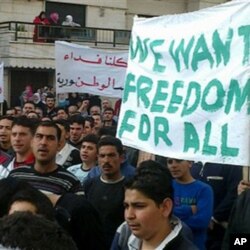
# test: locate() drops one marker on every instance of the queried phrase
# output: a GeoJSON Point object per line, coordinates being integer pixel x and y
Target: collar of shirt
{"type": "Point", "coordinates": [63, 154]}
{"type": "Point", "coordinates": [135, 244]}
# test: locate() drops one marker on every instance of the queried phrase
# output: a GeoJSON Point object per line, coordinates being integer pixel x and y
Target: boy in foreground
{"type": "Point", "coordinates": [148, 211]}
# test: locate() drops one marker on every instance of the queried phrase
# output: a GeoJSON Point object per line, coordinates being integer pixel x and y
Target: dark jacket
{"type": "Point", "coordinates": [224, 179]}
{"type": "Point", "coordinates": [239, 221]}
{"type": "Point", "coordinates": [77, 216]}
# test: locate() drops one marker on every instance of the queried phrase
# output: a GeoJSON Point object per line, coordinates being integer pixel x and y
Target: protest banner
{"type": "Point", "coordinates": [1, 83]}
{"type": "Point", "coordinates": [82, 69]}
{"type": "Point", "coordinates": [187, 87]}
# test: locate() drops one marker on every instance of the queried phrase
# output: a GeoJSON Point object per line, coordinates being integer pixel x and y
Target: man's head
{"type": "Point", "coordinates": [180, 169]}
{"type": "Point", "coordinates": [24, 230]}
{"type": "Point", "coordinates": [5, 130]}
{"type": "Point", "coordinates": [28, 107]}
{"type": "Point", "coordinates": [46, 142]}
{"type": "Point", "coordinates": [50, 101]}
{"type": "Point", "coordinates": [110, 157]}
{"type": "Point", "coordinates": [24, 197]}
{"type": "Point", "coordinates": [106, 103]}
{"type": "Point", "coordinates": [97, 121]}
{"type": "Point", "coordinates": [88, 125]}
{"type": "Point", "coordinates": [64, 127]}
{"type": "Point", "coordinates": [11, 112]}
{"type": "Point", "coordinates": [62, 114]}
{"type": "Point", "coordinates": [22, 132]}
{"type": "Point", "coordinates": [72, 110]}
{"type": "Point", "coordinates": [88, 150]}
{"type": "Point", "coordinates": [95, 110]}
{"type": "Point", "coordinates": [18, 110]}
{"type": "Point", "coordinates": [33, 115]}
{"type": "Point", "coordinates": [148, 201]}
{"type": "Point", "coordinates": [39, 111]}
{"type": "Point", "coordinates": [76, 128]}
{"type": "Point", "coordinates": [108, 115]}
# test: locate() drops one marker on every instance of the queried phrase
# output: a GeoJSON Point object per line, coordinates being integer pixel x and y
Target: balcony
{"type": "Point", "coordinates": [17, 48]}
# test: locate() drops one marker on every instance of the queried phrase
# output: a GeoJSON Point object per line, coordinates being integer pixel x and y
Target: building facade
{"type": "Point", "coordinates": [104, 24]}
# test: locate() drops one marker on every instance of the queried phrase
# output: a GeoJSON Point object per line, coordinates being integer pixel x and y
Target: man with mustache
{"type": "Point", "coordinates": [45, 174]}
{"type": "Point", "coordinates": [106, 192]}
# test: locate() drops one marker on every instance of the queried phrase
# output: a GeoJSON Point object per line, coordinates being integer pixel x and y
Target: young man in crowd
{"type": "Point", "coordinates": [45, 174]}
{"type": "Point", "coordinates": [148, 206]}
{"type": "Point", "coordinates": [88, 125]}
{"type": "Point", "coordinates": [67, 155]}
{"type": "Point", "coordinates": [61, 114]}
{"type": "Point", "coordinates": [97, 123]}
{"type": "Point", "coordinates": [106, 192]}
{"type": "Point", "coordinates": [28, 107]}
{"type": "Point", "coordinates": [22, 133]}
{"type": "Point", "coordinates": [108, 116]}
{"type": "Point", "coordinates": [76, 131]}
{"type": "Point", "coordinates": [50, 105]}
{"type": "Point", "coordinates": [5, 132]}
{"type": "Point", "coordinates": [88, 153]}
{"type": "Point", "coordinates": [193, 200]}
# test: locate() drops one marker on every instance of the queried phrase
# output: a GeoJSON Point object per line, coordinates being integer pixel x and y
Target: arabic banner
{"type": "Point", "coordinates": [1, 83]}
{"type": "Point", "coordinates": [85, 70]}
{"type": "Point", "coordinates": [187, 87]}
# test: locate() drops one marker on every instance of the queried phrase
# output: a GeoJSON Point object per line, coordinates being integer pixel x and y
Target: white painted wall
{"type": "Point", "coordinates": [114, 14]}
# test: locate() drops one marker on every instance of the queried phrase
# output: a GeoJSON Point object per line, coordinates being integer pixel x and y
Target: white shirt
{"type": "Point", "coordinates": [64, 153]}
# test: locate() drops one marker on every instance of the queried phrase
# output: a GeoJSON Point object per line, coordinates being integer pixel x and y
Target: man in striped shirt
{"type": "Point", "coordinates": [45, 174]}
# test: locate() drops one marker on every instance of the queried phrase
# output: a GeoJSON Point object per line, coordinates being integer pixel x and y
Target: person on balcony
{"type": "Point", "coordinates": [40, 32]}
{"type": "Point", "coordinates": [68, 22]}
{"type": "Point", "coordinates": [55, 29]}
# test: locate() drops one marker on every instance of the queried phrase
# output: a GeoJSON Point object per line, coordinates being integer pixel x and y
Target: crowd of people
{"type": "Point", "coordinates": [47, 29]}
{"type": "Point", "coordinates": [62, 165]}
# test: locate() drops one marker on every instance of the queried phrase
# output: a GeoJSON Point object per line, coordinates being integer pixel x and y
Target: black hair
{"type": "Point", "coordinates": [50, 95]}
{"type": "Point", "coordinates": [24, 230]}
{"type": "Point", "coordinates": [7, 117]}
{"type": "Point", "coordinates": [12, 189]}
{"type": "Point", "coordinates": [105, 131]}
{"type": "Point", "coordinates": [26, 122]}
{"type": "Point", "coordinates": [42, 13]}
{"type": "Point", "coordinates": [50, 124]}
{"type": "Point", "coordinates": [41, 202]}
{"type": "Point", "coordinates": [30, 102]}
{"type": "Point", "coordinates": [111, 141]}
{"type": "Point", "coordinates": [90, 138]}
{"type": "Point", "coordinates": [64, 123]}
{"type": "Point", "coordinates": [34, 112]}
{"type": "Point", "coordinates": [109, 109]}
{"type": "Point", "coordinates": [91, 120]}
{"type": "Point", "coordinates": [61, 108]}
{"type": "Point", "coordinates": [77, 119]}
{"type": "Point", "coordinates": [153, 180]}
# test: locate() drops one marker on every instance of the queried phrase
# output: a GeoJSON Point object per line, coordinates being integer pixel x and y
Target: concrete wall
{"type": "Point", "coordinates": [114, 14]}
{"type": "Point", "coordinates": [20, 10]}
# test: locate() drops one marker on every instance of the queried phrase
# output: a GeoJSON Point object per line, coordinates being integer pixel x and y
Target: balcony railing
{"type": "Point", "coordinates": [30, 32]}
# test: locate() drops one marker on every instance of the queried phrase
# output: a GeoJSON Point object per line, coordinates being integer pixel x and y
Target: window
{"type": "Point", "coordinates": [77, 11]}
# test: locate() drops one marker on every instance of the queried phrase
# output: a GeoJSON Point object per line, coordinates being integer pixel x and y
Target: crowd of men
{"type": "Point", "coordinates": [65, 164]}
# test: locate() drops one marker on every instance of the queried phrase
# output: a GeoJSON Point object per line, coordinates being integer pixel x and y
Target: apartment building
{"type": "Point", "coordinates": [104, 24]}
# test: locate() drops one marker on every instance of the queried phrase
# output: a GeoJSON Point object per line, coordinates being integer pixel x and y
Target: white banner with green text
{"type": "Point", "coordinates": [187, 87]}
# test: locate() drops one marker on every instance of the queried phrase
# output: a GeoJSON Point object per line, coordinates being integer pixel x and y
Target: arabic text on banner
{"type": "Point", "coordinates": [85, 70]}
